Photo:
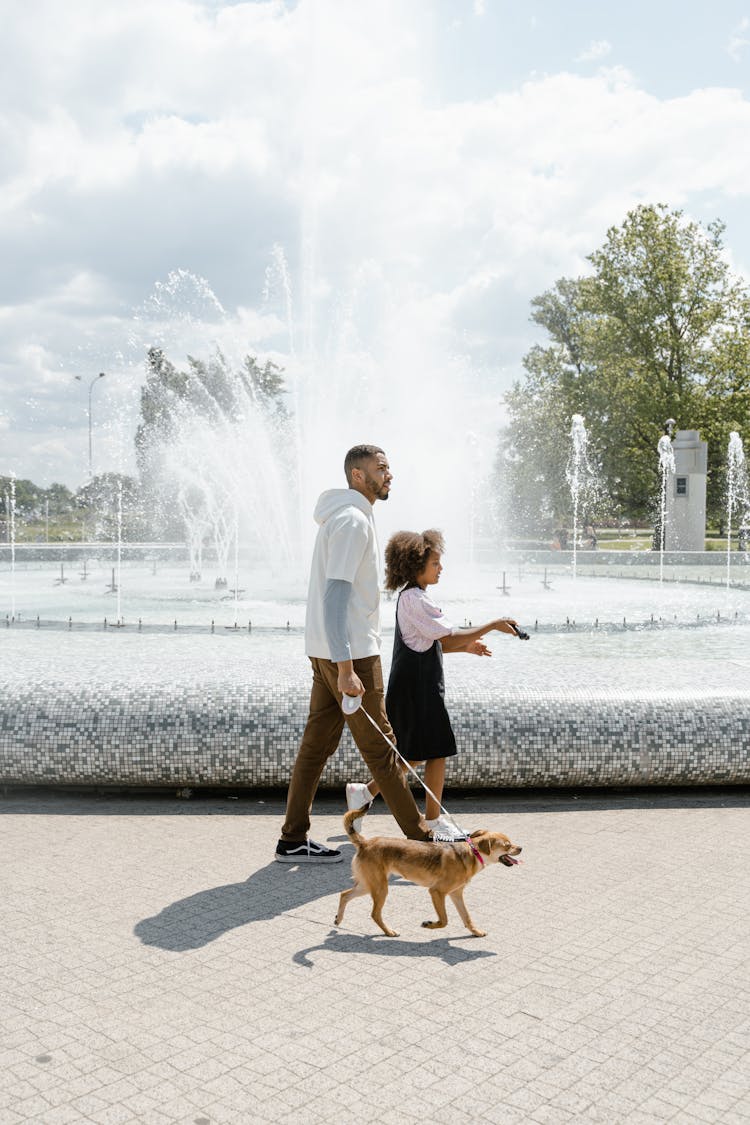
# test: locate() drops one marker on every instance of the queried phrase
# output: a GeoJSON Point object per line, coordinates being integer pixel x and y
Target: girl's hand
{"type": "Point", "coordinates": [478, 648]}
{"type": "Point", "coordinates": [506, 625]}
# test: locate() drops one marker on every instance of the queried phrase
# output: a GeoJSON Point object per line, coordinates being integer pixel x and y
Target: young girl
{"type": "Point", "coordinates": [415, 698]}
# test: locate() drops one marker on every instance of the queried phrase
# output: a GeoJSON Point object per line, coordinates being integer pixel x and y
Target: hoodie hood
{"type": "Point", "coordinates": [335, 499]}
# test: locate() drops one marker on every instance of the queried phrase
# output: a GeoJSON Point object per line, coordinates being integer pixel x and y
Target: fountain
{"type": "Point", "coordinates": [184, 707]}
{"type": "Point", "coordinates": [738, 493]}
{"type": "Point", "coordinates": [197, 527]}
{"type": "Point", "coordinates": [220, 456]}
{"type": "Point", "coordinates": [11, 514]}
{"type": "Point", "coordinates": [277, 278]}
{"type": "Point", "coordinates": [580, 475]}
{"type": "Point", "coordinates": [236, 592]}
{"type": "Point", "coordinates": [118, 583]}
{"type": "Point", "coordinates": [622, 683]}
{"type": "Point", "coordinates": [666, 470]}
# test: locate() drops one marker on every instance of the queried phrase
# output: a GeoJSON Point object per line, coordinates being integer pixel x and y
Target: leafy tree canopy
{"type": "Point", "coordinates": [210, 395]}
{"type": "Point", "coordinates": [660, 329]}
{"type": "Point", "coordinates": [211, 389]}
{"type": "Point", "coordinates": [33, 499]}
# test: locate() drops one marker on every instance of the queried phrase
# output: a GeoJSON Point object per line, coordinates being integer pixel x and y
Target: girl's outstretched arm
{"type": "Point", "coordinates": [463, 638]}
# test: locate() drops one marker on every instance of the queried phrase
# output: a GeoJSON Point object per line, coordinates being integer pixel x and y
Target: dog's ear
{"type": "Point", "coordinates": [477, 832]}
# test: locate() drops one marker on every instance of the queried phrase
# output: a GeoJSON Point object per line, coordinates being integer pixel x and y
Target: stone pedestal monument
{"type": "Point", "coordinates": [686, 494]}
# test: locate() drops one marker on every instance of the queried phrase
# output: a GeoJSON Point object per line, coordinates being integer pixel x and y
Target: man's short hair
{"type": "Point", "coordinates": [356, 457]}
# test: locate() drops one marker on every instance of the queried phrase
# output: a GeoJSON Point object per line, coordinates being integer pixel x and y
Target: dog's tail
{"type": "Point", "coordinates": [351, 831]}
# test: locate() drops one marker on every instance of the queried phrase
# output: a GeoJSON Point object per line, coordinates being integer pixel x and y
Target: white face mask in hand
{"type": "Point", "coordinates": [351, 703]}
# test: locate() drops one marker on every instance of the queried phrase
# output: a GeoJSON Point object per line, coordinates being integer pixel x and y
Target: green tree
{"type": "Point", "coordinates": [210, 389]}
{"type": "Point", "coordinates": [111, 500]}
{"type": "Point", "coordinates": [660, 329]}
{"type": "Point", "coordinates": [202, 400]}
{"type": "Point", "coordinates": [29, 497]}
{"type": "Point", "coordinates": [60, 500]}
{"type": "Point", "coordinates": [41, 513]}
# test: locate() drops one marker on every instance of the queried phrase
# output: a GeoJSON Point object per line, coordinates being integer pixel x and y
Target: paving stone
{"type": "Point", "coordinates": [168, 970]}
{"type": "Point", "coordinates": [551, 1115]}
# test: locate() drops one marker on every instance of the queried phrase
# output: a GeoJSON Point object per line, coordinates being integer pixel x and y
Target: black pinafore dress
{"type": "Point", "coordinates": [415, 702]}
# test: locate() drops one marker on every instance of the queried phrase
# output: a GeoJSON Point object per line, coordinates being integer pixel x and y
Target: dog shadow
{"type": "Point", "coordinates": [199, 919]}
{"type": "Point", "coordinates": [440, 949]}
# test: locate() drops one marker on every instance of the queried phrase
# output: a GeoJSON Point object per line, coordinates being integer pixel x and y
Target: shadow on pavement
{"type": "Point", "coordinates": [477, 804]}
{"type": "Point", "coordinates": [440, 949]}
{"type": "Point", "coordinates": [193, 922]}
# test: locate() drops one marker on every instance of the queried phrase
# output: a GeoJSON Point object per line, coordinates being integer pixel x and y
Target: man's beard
{"type": "Point", "coordinates": [384, 492]}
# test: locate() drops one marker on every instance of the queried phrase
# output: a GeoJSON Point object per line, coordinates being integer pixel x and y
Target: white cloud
{"type": "Point", "coordinates": [148, 139]}
{"type": "Point", "coordinates": [597, 49]}
{"type": "Point", "coordinates": [739, 39]}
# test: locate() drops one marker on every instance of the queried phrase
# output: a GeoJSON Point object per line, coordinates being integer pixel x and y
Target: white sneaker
{"type": "Point", "coordinates": [444, 830]}
{"type": "Point", "coordinates": [357, 796]}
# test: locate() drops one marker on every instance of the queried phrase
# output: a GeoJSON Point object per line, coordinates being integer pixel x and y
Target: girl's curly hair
{"type": "Point", "coordinates": [406, 555]}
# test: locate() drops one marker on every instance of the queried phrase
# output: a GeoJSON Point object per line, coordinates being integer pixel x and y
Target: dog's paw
{"type": "Point", "coordinates": [433, 925]}
{"type": "Point", "coordinates": [479, 933]}
{"type": "Point", "coordinates": [390, 933]}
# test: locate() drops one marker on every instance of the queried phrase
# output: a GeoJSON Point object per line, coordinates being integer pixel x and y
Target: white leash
{"type": "Point", "coordinates": [352, 703]}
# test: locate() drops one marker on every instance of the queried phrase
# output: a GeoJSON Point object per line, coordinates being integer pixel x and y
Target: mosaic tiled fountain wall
{"type": "Point", "coordinates": [177, 711]}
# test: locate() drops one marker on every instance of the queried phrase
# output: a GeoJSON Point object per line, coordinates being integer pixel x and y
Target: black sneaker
{"type": "Point", "coordinates": [306, 852]}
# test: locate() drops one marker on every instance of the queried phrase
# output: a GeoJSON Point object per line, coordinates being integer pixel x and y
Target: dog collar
{"type": "Point", "coordinates": [475, 850]}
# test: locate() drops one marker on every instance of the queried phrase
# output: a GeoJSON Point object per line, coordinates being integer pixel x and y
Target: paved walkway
{"type": "Point", "coordinates": [158, 967]}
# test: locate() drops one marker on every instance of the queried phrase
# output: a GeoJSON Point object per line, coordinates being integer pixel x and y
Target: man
{"type": "Point", "coordinates": [342, 640]}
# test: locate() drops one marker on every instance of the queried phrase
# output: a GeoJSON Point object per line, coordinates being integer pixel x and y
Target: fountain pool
{"type": "Point", "coordinates": [625, 681]}
{"type": "Point", "coordinates": [542, 596]}
{"type": "Point", "coordinates": [121, 666]}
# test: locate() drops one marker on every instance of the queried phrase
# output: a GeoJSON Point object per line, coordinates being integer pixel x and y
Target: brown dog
{"type": "Point", "coordinates": [444, 869]}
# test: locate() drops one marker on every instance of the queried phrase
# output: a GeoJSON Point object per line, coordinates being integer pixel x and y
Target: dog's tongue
{"type": "Point", "coordinates": [509, 861]}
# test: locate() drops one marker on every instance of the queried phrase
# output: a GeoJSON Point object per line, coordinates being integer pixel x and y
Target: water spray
{"type": "Point", "coordinates": [667, 469]}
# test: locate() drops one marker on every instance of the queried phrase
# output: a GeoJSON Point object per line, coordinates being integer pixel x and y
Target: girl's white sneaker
{"type": "Point", "coordinates": [445, 830]}
{"type": "Point", "coordinates": [357, 797]}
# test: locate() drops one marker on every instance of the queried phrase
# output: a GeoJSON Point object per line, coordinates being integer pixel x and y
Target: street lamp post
{"type": "Point", "coordinates": [91, 388]}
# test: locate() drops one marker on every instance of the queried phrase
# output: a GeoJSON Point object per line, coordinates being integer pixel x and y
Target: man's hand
{"type": "Point", "coordinates": [478, 648]}
{"type": "Point", "coordinates": [349, 682]}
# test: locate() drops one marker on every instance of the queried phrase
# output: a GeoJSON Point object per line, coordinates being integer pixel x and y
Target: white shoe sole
{"type": "Point", "coordinates": [308, 858]}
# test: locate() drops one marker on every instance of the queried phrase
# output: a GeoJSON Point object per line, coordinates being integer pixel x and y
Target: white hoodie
{"type": "Point", "coordinates": [347, 548]}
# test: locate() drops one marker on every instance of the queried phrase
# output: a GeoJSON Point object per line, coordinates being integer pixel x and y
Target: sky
{"type": "Point", "coordinates": [311, 181]}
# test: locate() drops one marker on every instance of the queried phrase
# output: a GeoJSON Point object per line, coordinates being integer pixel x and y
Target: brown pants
{"type": "Point", "coordinates": [321, 739]}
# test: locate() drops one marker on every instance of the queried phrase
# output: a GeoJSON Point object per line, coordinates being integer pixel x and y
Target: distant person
{"type": "Point", "coordinates": [415, 700]}
{"type": "Point", "coordinates": [560, 540]}
{"type": "Point", "coordinates": [590, 535]}
{"type": "Point", "coordinates": [342, 640]}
